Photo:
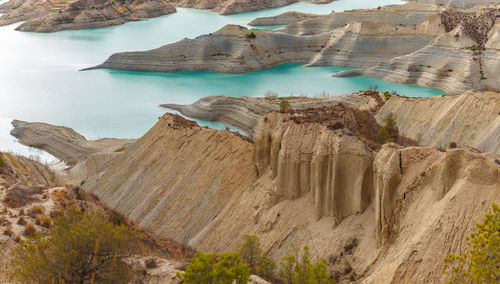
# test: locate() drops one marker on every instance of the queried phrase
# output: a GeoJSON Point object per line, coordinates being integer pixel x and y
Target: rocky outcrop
{"type": "Point", "coordinates": [51, 16]}
{"type": "Point", "coordinates": [226, 7]}
{"type": "Point", "coordinates": [232, 49]}
{"type": "Point", "coordinates": [460, 3]}
{"type": "Point", "coordinates": [365, 44]}
{"type": "Point", "coordinates": [243, 113]}
{"type": "Point", "coordinates": [283, 19]}
{"type": "Point", "coordinates": [387, 216]}
{"type": "Point", "coordinates": [404, 15]}
{"type": "Point", "coordinates": [426, 203]}
{"type": "Point", "coordinates": [471, 119]}
{"type": "Point", "coordinates": [465, 58]}
{"type": "Point", "coordinates": [62, 142]}
{"type": "Point", "coordinates": [308, 159]}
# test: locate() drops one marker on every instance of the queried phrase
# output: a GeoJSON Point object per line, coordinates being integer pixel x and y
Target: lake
{"type": "Point", "coordinates": [40, 81]}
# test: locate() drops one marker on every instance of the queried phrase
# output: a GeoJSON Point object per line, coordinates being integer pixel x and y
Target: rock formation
{"type": "Point", "coordinates": [51, 16]}
{"type": "Point", "coordinates": [62, 142]}
{"type": "Point", "coordinates": [232, 49]}
{"type": "Point", "coordinates": [465, 58]}
{"type": "Point", "coordinates": [404, 15]}
{"type": "Point", "coordinates": [383, 216]}
{"type": "Point", "coordinates": [283, 19]}
{"type": "Point", "coordinates": [460, 3]}
{"type": "Point", "coordinates": [471, 119]}
{"type": "Point", "coordinates": [244, 113]}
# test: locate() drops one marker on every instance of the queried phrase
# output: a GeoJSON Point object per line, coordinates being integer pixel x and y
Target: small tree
{"type": "Point", "coordinates": [382, 135]}
{"type": "Point", "coordinates": [214, 268]}
{"type": "Point", "coordinates": [250, 250]}
{"type": "Point", "coordinates": [481, 262]}
{"type": "Point", "coordinates": [387, 95]}
{"type": "Point", "coordinates": [285, 106]}
{"type": "Point", "coordinates": [80, 248]}
{"type": "Point", "coordinates": [266, 267]}
{"type": "Point", "coordinates": [390, 125]}
{"type": "Point", "coordinates": [301, 271]}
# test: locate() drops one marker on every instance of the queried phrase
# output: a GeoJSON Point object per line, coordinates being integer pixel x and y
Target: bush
{"type": "Point", "coordinates": [481, 262]}
{"type": "Point", "coordinates": [387, 95]}
{"type": "Point", "coordinates": [301, 271]}
{"type": "Point", "coordinates": [29, 230]}
{"type": "Point", "coordinates": [382, 135]}
{"type": "Point", "coordinates": [390, 125]}
{"type": "Point", "coordinates": [285, 106]}
{"type": "Point", "coordinates": [250, 250]}
{"type": "Point", "coordinates": [251, 35]}
{"type": "Point", "coordinates": [2, 162]}
{"type": "Point", "coordinates": [43, 220]}
{"type": "Point", "coordinates": [266, 267]}
{"type": "Point", "coordinates": [215, 268]}
{"type": "Point", "coordinates": [81, 247]}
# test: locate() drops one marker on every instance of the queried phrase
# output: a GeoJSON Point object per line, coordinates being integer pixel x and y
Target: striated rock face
{"type": "Point", "coordinates": [471, 119]}
{"type": "Point", "coordinates": [389, 216]}
{"type": "Point", "coordinates": [232, 49]}
{"type": "Point", "coordinates": [460, 3]}
{"type": "Point", "coordinates": [62, 142]}
{"type": "Point", "coordinates": [283, 19]}
{"type": "Point", "coordinates": [182, 196]}
{"type": "Point", "coordinates": [426, 203]}
{"type": "Point", "coordinates": [404, 15]}
{"type": "Point", "coordinates": [310, 159]}
{"type": "Point", "coordinates": [226, 7]}
{"type": "Point", "coordinates": [465, 58]}
{"type": "Point", "coordinates": [51, 16]}
{"type": "Point", "coordinates": [357, 43]}
{"type": "Point", "coordinates": [243, 113]}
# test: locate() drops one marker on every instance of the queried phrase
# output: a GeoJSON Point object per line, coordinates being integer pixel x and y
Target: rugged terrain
{"type": "Point", "coordinates": [56, 15]}
{"type": "Point", "coordinates": [312, 175]}
{"type": "Point", "coordinates": [32, 195]}
{"type": "Point", "coordinates": [455, 50]}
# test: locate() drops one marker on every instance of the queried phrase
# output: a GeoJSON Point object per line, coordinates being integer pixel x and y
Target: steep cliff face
{"type": "Point", "coordinates": [308, 159]}
{"type": "Point", "coordinates": [164, 183]}
{"type": "Point", "coordinates": [52, 16]}
{"type": "Point", "coordinates": [365, 44]}
{"type": "Point", "coordinates": [232, 49]}
{"type": "Point", "coordinates": [63, 142]}
{"type": "Point", "coordinates": [405, 15]}
{"type": "Point", "coordinates": [465, 58]}
{"type": "Point", "coordinates": [226, 7]}
{"type": "Point", "coordinates": [471, 119]}
{"type": "Point", "coordinates": [426, 203]}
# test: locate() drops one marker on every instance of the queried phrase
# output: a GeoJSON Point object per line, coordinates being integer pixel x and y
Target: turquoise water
{"type": "Point", "coordinates": [39, 80]}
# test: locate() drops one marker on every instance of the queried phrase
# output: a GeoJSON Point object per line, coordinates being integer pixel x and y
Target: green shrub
{"type": "Point", "coordinates": [481, 262]}
{"type": "Point", "coordinates": [301, 271]}
{"type": "Point", "coordinates": [80, 248]}
{"type": "Point", "coordinates": [390, 125]}
{"type": "Point", "coordinates": [382, 135]}
{"type": "Point", "coordinates": [285, 106]}
{"type": "Point", "coordinates": [2, 162]}
{"type": "Point", "coordinates": [251, 35]}
{"type": "Point", "coordinates": [250, 250]}
{"type": "Point", "coordinates": [387, 95]}
{"type": "Point", "coordinates": [266, 267]}
{"type": "Point", "coordinates": [216, 268]}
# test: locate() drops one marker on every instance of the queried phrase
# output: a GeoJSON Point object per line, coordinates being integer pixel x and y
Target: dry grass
{"type": "Point", "coordinates": [43, 220]}
{"type": "Point", "coordinates": [29, 230]}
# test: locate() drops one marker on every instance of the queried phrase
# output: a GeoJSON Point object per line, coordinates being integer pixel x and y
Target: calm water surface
{"type": "Point", "coordinates": [40, 81]}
